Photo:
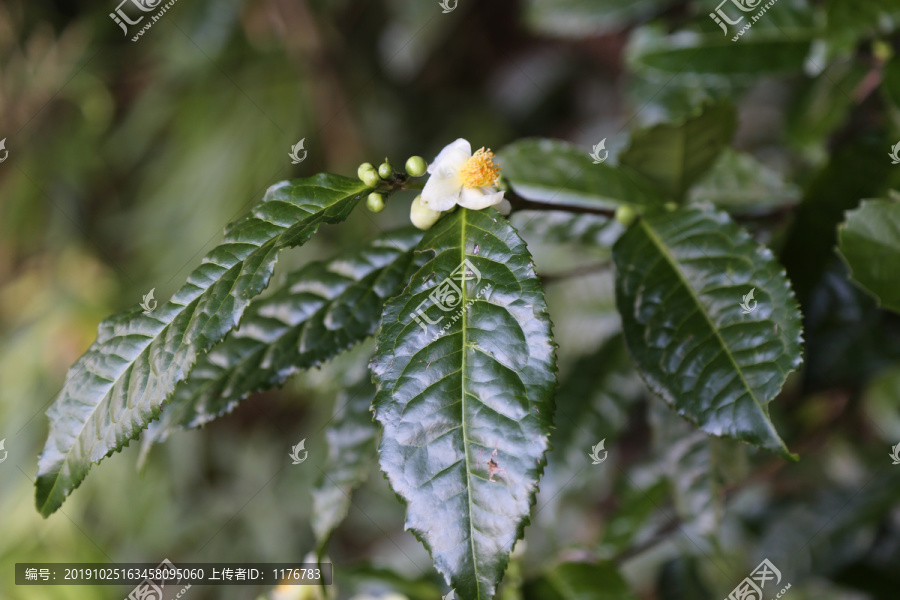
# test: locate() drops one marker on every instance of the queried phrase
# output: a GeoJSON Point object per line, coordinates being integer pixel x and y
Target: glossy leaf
{"type": "Point", "coordinates": [467, 414]}
{"type": "Point", "coordinates": [674, 156]}
{"type": "Point", "coordinates": [119, 385]}
{"type": "Point", "coordinates": [580, 581]}
{"type": "Point", "coordinates": [556, 172]}
{"type": "Point", "coordinates": [869, 242]}
{"type": "Point", "coordinates": [323, 309]}
{"type": "Point", "coordinates": [352, 444]}
{"type": "Point", "coordinates": [681, 279]}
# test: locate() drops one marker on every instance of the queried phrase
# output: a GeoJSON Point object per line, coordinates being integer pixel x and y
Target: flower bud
{"type": "Point", "coordinates": [367, 174]}
{"type": "Point", "coordinates": [385, 170]}
{"type": "Point", "coordinates": [416, 166]}
{"type": "Point", "coordinates": [422, 216]}
{"type": "Point", "coordinates": [375, 202]}
{"type": "Point", "coordinates": [670, 206]}
{"type": "Point", "coordinates": [625, 215]}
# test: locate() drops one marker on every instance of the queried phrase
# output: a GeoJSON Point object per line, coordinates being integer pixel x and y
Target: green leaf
{"type": "Point", "coordinates": [674, 156]}
{"type": "Point", "coordinates": [869, 242]}
{"type": "Point", "coordinates": [681, 278]}
{"type": "Point", "coordinates": [352, 444]}
{"type": "Point", "coordinates": [766, 51]}
{"type": "Point", "coordinates": [580, 581]}
{"type": "Point", "coordinates": [585, 18]}
{"type": "Point", "coordinates": [119, 385]}
{"type": "Point", "coordinates": [739, 183]}
{"type": "Point", "coordinates": [322, 310]}
{"type": "Point", "coordinates": [481, 392]}
{"type": "Point", "coordinates": [559, 173]}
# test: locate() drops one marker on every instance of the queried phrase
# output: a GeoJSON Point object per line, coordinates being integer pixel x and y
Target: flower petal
{"type": "Point", "coordinates": [478, 198]}
{"type": "Point", "coordinates": [441, 191]}
{"type": "Point", "coordinates": [454, 155]}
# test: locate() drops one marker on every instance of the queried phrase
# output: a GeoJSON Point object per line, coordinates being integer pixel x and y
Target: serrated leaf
{"type": "Point", "coordinates": [323, 309]}
{"type": "Point", "coordinates": [119, 385]}
{"type": "Point", "coordinates": [674, 156]}
{"type": "Point", "coordinates": [352, 446]}
{"type": "Point", "coordinates": [739, 183]}
{"type": "Point", "coordinates": [869, 242]}
{"type": "Point", "coordinates": [580, 581]}
{"type": "Point", "coordinates": [448, 402]}
{"type": "Point", "coordinates": [681, 279]}
{"type": "Point", "coordinates": [560, 173]}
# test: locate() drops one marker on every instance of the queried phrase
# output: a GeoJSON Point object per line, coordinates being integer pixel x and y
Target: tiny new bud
{"type": "Point", "coordinates": [416, 166]}
{"type": "Point", "coordinates": [385, 170]}
{"type": "Point", "coordinates": [670, 206]}
{"type": "Point", "coordinates": [625, 215]}
{"type": "Point", "coordinates": [375, 202]}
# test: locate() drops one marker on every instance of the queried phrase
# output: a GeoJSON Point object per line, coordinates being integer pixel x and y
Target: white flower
{"type": "Point", "coordinates": [460, 177]}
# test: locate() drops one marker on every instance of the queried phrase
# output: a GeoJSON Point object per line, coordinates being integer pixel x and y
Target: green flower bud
{"type": "Point", "coordinates": [422, 216]}
{"type": "Point", "coordinates": [625, 215]}
{"type": "Point", "coordinates": [375, 202]}
{"type": "Point", "coordinates": [416, 166]}
{"type": "Point", "coordinates": [368, 175]}
{"type": "Point", "coordinates": [364, 168]}
{"type": "Point", "coordinates": [385, 170]}
{"type": "Point", "coordinates": [670, 206]}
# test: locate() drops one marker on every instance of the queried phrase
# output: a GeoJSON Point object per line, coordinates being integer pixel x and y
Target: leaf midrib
{"type": "Point", "coordinates": [674, 265]}
{"type": "Point", "coordinates": [462, 372]}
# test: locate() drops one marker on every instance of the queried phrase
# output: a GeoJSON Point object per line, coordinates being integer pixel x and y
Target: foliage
{"type": "Point", "coordinates": [651, 307]}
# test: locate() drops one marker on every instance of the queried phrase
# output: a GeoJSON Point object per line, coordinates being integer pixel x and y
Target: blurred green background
{"type": "Point", "coordinates": [127, 159]}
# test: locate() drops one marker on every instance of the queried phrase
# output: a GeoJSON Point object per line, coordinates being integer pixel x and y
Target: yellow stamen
{"type": "Point", "coordinates": [480, 171]}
